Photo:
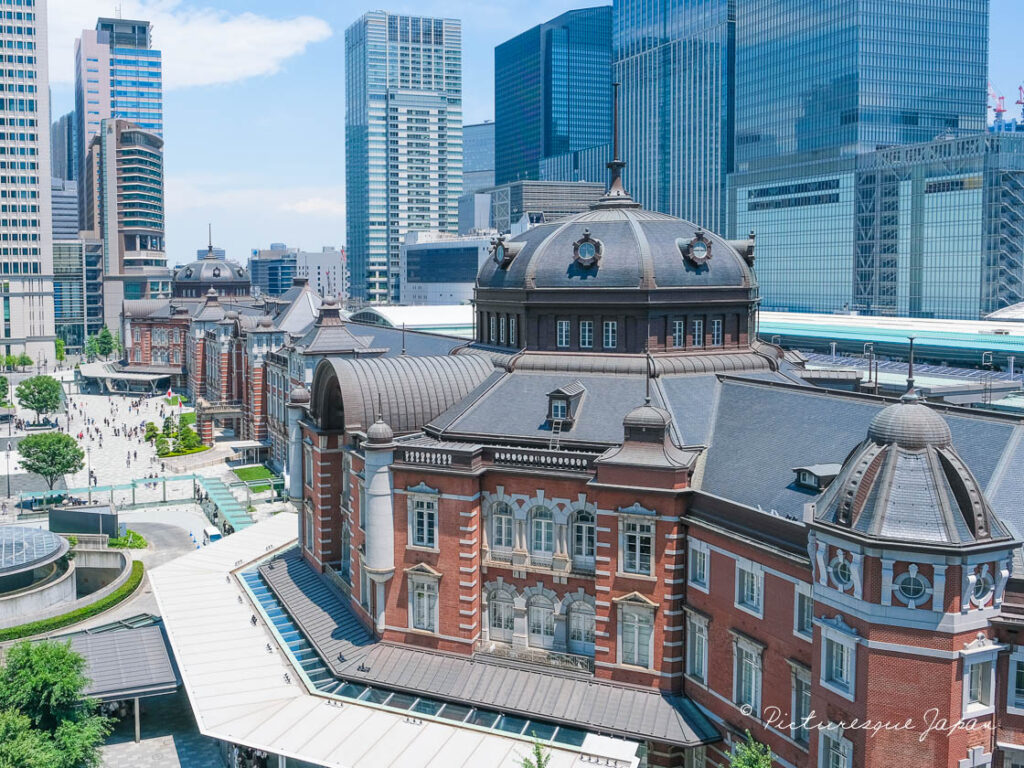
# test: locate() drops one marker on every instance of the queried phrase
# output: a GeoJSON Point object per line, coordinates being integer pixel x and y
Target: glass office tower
{"type": "Point", "coordinates": [403, 141]}
{"type": "Point", "coordinates": [675, 61]}
{"type": "Point", "coordinates": [849, 116]}
{"type": "Point", "coordinates": [552, 92]}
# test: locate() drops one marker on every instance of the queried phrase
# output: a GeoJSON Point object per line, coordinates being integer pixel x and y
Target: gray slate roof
{"type": "Point", "coordinates": [126, 663]}
{"type": "Point", "coordinates": [542, 693]}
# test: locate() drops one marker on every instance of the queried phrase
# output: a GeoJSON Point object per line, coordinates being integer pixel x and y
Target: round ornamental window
{"type": "Point", "coordinates": [912, 588]}
{"type": "Point", "coordinates": [216, 271]}
{"type": "Point", "coordinates": [842, 576]}
{"type": "Point", "coordinates": [587, 251]}
{"type": "Point", "coordinates": [696, 251]}
{"type": "Point", "coordinates": [982, 588]}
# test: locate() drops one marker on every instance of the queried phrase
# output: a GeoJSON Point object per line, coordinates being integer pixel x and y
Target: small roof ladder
{"type": "Point", "coordinates": [556, 431]}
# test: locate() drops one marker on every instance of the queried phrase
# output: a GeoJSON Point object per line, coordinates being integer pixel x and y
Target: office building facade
{"type": "Point", "coordinates": [676, 66]}
{"type": "Point", "coordinates": [26, 239]}
{"type": "Point", "coordinates": [124, 207]}
{"type": "Point", "coordinates": [477, 176]}
{"type": "Point", "coordinates": [519, 204]}
{"type": "Point", "coordinates": [325, 270]}
{"type": "Point", "coordinates": [440, 269]}
{"type": "Point", "coordinates": [118, 74]}
{"type": "Point", "coordinates": [272, 269]}
{"type": "Point", "coordinates": [64, 207]}
{"type": "Point", "coordinates": [869, 122]}
{"type": "Point", "coordinates": [403, 140]}
{"type": "Point", "coordinates": [552, 91]}
{"type": "Point", "coordinates": [63, 143]}
{"type": "Point", "coordinates": [77, 290]}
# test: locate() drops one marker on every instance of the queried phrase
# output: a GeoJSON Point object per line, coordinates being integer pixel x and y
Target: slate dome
{"type": "Point", "coordinates": [909, 424]}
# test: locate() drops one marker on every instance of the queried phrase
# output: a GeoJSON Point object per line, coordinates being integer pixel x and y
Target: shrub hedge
{"type": "Point", "coordinates": [88, 611]}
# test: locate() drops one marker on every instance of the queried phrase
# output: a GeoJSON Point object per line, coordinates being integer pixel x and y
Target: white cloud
{"type": "Point", "coordinates": [201, 46]}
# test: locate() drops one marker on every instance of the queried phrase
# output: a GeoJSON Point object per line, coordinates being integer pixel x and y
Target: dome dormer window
{"type": "Point", "coordinates": [697, 251]}
{"type": "Point", "coordinates": [504, 253]}
{"type": "Point", "coordinates": [587, 251]}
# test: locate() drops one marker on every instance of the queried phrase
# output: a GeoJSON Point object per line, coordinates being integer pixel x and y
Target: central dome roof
{"type": "Point", "coordinates": [909, 424]}
{"type": "Point", "coordinates": [211, 271]}
{"type": "Point", "coordinates": [621, 246]}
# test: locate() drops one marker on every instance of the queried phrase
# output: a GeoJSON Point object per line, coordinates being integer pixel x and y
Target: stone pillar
{"type": "Point", "coordinates": [293, 465]}
{"type": "Point", "coordinates": [519, 552]}
{"type": "Point", "coordinates": [560, 559]}
{"type": "Point", "coordinates": [204, 427]}
{"type": "Point", "coordinates": [379, 542]}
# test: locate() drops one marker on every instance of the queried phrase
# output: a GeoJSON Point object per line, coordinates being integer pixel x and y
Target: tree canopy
{"type": "Point", "coordinates": [45, 720]}
{"type": "Point", "coordinates": [59, 350]}
{"type": "Point", "coordinates": [51, 455]}
{"type": "Point", "coordinates": [105, 341]}
{"type": "Point", "coordinates": [751, 754]}
{"type": "Point", "coordinates": [39, 393]}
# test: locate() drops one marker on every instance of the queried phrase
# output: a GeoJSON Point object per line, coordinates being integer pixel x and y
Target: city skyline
{"type": "Point", "coordinates": [296, 195]}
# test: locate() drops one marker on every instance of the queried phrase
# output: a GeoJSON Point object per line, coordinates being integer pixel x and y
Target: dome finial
{"type": "Point", "coordinates": [209, 246]}
{"type": "Point", "coordinates": [910, 395]}
{"type": "Point", "coordinates": [616, 196]}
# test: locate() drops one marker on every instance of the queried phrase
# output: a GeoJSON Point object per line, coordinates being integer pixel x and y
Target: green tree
{"type": "Point", "coordinates": [538, 757]}
{"type": "Point", "coordinates": [10, 362]}
{"type": "Point", "coordinates": [162, 446]}
{"type": "Point", "coordinates": [92, 347]}
{"type": "Point", "coordinates": [22, 746]}
{"type": "Point", "coordinates": [187, 440]}
{"type": "Point", "coordinates": [58, 345]}
{"type": "Point", "coordinates": [118, 346]}
{"type": "Point", "coordinates": [51, 455]}
{"type": "Point", "coordinates": [751, 754]}
{"type": "Point", "coordinates": [24, 361]}
{"type": "Point", "coordinates": [45, 683]}
{"type": "Point", "coordinates": [105, 341]}
{"type": "Point", "coordinates": [170, 426]}
{"type": "Point", "coordinates": [151, 432]}
{"type": "Point", "coordinates": [5, 389]}
{"type": "Point", "coordinates": [40, 394]}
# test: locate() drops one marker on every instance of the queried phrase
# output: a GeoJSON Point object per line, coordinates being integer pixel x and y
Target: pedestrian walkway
{"type": "Point", "coordinates": [225, 502]}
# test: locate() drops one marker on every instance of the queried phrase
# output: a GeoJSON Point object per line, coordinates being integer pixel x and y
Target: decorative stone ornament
{"type": "Point", "coordinates": [501, 252]}
{"type": "Point", "coordinates": [698, 250]}
{"type": "Point", "coordinates": [587, 251]}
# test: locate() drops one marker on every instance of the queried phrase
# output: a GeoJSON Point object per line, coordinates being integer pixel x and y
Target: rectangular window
{"type": "Point", "coordinates": [803, 612]}
{"type": "Point", "coordinates": [562, 339]}
{"type": "Point", "coordinates": [637, 544]}
{"type": "Point", "coordinates": [636, 629]}
{"type": "Point", "coordinates": [697, 648]}
{"type": "Point", "coordinates": [679, 333]}
{"type": "Point", "coordinates": [801, 707]}
{"type": "Point", "coordinates": [748, 677]}
{"type": "Point", "coordinates": [493, 328]}
{"type": "Point", "coordinates": [836, 752]}
{"type": "Point", "coordinates": [512, 331]}
{"type": "Point", "coordinates": [559, 409]}
{"type": "Point", "coordinates": [424, 523]}
{"type": "Point", "coordinates": [698, 570]}
{"type": "Point", "coordinates": [716, 333]}
{"type": "Point", "coordinates": [611, 334]}
{"type": "Point", "coordinates": [308, 455]}
{"type": "Point", "coordinates": [503, 530]}
{"type": "Point", "coordinates": [501, 329]}
{"type": "Point", "coordinates": [837, 664]}
{"type": "Point", "coordinates": [698, 333]}
{"type": "Point", "coordinates": [586, 334]}
{"type": "Point", "coordinates": [749, 582]}
{"type": "Point", "coordinates": [424, 605]}
{"type": "Point", "coordinates": [979, 684]}
{"type": "Point", "coordinates": [1018, 683]}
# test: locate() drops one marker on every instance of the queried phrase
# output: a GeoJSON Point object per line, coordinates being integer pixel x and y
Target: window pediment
{"type": "Point", "coordinates": [635, 599]}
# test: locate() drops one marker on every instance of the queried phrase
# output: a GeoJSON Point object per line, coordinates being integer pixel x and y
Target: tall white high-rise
{"type": "Point", "coordinates": [26, 239]}
{"type": "Point", "coordinates": [403, 141]}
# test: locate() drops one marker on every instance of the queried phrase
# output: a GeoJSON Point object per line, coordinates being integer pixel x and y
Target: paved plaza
{"type": "Point", "coordinates": [169, 738]}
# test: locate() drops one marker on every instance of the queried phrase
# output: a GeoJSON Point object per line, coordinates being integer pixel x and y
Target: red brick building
{"type": "Point", "coordinates": [617, 491]}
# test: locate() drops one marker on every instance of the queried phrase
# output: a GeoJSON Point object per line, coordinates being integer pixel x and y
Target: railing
{"type": "Point", "coordinates": [534, 458]}
{"type": "Point", "coordinates": [500, 555]}
{"type": "Point", "coordinates": [335, 577]}
{"type": "Point", "coordinates": [583, 565]}
{"type": "Point", "coordinates": [569, 661]}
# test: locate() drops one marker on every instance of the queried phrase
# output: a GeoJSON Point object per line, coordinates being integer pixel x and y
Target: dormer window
{"type": "Point", "coordinates": [559, 408]}
{"type": "Point", "coordinates": [564, 403]}
{"type": "Point", "coordinates": [816, 477]}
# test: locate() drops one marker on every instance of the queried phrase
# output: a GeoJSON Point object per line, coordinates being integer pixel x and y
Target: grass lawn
{"type": "Point", "coordinates": [200, 449]}
{"type": "Point", "coordinates": [255, 473]}
{"type": "Point", "coordinates": [187, 419]}
{"type": "Point", "coordinates": [174, 400]}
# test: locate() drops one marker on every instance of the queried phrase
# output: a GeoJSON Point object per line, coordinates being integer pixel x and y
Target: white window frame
{"type": "Point", "coordinates": [747, 654]}
{"type": "Point", "coordinates": [803, 591]}
{"type": "Point", "coordinates": [493, 328]}
{"type": "Point", "coordinates": [626, 531]}
{"type": "Point", "coordinates": [545, 621]}
{"type": "Point", "coordinates": [502, 322]}
{"type": "Point", "coordinates": [698, 334]}
{"type": "Point", "coordinates": [585, 532]}
{"type": "Point", "coordinates": [581, 621]}
{"type": "Point", "coordinates": [1015, 704]}
{"type": "Point", "coordinates": [756, 572]}
{"type": "Point", "coordinates": [512, 331]}
{"type": "Point", "coordinates": [832, 636]}
{"type": "Point", "coordinates": [506, 513]}
{"type": "Point", "coordinates": [697, 640]}
{"type": "Point", "coordinates": [679, 334]}
{"type": "Point", "coordinates": [559, 408]}
{"type": "Point", "coordinates": [980, 662]}
{"type": "Point", "coordinates": [643, 614]}
{"type": "Point", "coordinates": [427, 504]}
{"type": "Point", "coordinates": [833, 735]}
{"type": "Point", "coordinates": [507, 610]}
{"type": "Point", "coordinates": [432, 614]}
{"type": "Point", "coordinates": [534, 520]}
{"type": "Point", "coordinates": [800, 676]}
{"type": "Point", "coordinates": [717, 337]}
{"type": "Point", "coordinates": [586, 334]}
{"type": "Point", "coordinates": [610, 335]}
{"type": "Point", "coordinates": [698, 551]}
{"type": "Point", "coordinates": [563, 332]}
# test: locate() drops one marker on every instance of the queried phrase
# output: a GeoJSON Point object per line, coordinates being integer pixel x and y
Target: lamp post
{"type": "Point", "coordinates": [88, 480]}
{"type": "Point", "coordinates": [8, 469]}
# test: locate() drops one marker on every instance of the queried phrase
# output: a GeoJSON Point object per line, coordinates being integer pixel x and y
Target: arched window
{"type": "Point", "coordinates": [541, 620]}
{"type": "Point", "coordinates": [501, 613]}
{"type": "Point", "coordinates": [542, 533]}
{"type": "Point", "coordinates": [502, 531]}
{"type": "Point", "coordinates": [583, 540]}
{"type": "Point", "coordinates": [581, 628]}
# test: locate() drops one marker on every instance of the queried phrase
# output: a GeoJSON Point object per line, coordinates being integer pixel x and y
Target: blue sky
{"type": "Point", "coordinates": [254, 102]}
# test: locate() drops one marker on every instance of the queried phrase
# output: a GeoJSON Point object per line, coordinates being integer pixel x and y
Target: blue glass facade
{"type": "Point", "coordinates": [675, 61]}
{"type": "Point", "coordinates": [403, 141]}
{"type": "Point", "coordinates": [552, 92]}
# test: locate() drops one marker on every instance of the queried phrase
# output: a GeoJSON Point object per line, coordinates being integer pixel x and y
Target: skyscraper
{"type": "Point", "coordinates": [124, 207]}
{"type": "Point", "coordinates": [827, 96]}
{"type": "Point", "coordinates": [552, 92]}
{"type": "Point", "coordinates": [477, 176]}
{"type": "Point", "coordinates": [403, 141]}
{"type": "Point", "coordinates": [117, 74]}
{"type": "Point", "coordinates": [26, 248]}
{"type": "Point", "coordinates": [62, 148]}
{"type": "Point", "coordinates": [675, 62]}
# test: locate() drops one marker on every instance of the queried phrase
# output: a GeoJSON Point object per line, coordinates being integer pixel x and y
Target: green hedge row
{"type": "Point", "coordinates": [57, 622]}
